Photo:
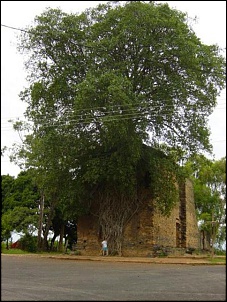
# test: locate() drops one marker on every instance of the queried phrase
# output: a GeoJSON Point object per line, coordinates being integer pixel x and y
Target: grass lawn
{"type": "Point", "coordinates": [13, 251]}
{"type": "Point", "coordinates": [217, 259]}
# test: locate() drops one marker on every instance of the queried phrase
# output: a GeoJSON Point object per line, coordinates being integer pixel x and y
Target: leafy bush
{"type": "Point", "coordinates": [220, 252]}
{"type": "Point", "coordinates": [29, 243]}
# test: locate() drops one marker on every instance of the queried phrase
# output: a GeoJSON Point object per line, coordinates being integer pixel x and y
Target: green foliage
{"type": "Point", "coordinates": [28, 243]}
{"type": "Point", "coordinates": [220, 252]}
{"type": "Point", "coordinates": [209, 178]}
{"type": "Point", "coordinates": [6, 227]}
{"type": "Point", "coordinates": [19, 204]}
{"type": "Point", "coordinates": [7, 188]}
{"type": "Point", "coordinates": [20, 219]}
{"type": "Point", "coordinates": [19, 191]}
{"type": "Point", "coordinates": [163, 176]}
{"type": "Point", "coordinates": [172, 79]}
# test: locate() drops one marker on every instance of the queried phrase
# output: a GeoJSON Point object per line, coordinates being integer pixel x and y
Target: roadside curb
{"type": "Point", "coordinates": [181, 260]}
{"type": "Point", "coordinates": [193, 260]}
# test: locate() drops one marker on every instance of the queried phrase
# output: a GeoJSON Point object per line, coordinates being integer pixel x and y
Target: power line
{"type": "Point", "coordinates": [15, 28]}
{"type": "Point", "coordinates": [132, 108]}
{"type": "Point", "coordinates": [69, 122]}
{"type": "Point", "coordinates": [98, 119]}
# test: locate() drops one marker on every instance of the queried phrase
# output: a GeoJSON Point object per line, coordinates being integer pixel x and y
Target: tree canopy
{"type": "Point", "coordinates": [209, 178]}
{"type": "Point", "coordinates": [19, 204]}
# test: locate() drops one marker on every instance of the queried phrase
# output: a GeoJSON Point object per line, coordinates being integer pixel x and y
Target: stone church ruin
{"type": "Point", "coordinates": [148, 233]}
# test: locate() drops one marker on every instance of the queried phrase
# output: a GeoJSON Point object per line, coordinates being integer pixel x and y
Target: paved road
{"type": "Point", "coordinates": [45, 279]}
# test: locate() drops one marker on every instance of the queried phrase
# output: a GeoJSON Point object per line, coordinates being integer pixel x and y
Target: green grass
{"type": "Point", "coordinates": [216, 260]}
{"type": "Point", "coordinates": [13, 251]}
{"type": "Point", "coordinates": [19, 251]}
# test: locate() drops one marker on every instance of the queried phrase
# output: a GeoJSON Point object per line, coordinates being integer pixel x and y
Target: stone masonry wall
{"type": "Point", "coordinates": [192, 231]}
{"type": "Point", "coordinates": [89, 241]}
{"type": "Point", "coordinates": [165, 228]}
{"type": "Point", "coordinates": [138, 234]}
{"type": "Point", "coordinates": [147, 229]}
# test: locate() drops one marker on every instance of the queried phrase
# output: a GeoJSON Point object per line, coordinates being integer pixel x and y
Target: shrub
{"type": "Point", "coordinates": [29, 243]}
{"type": "Point", "coordinates": [220, 252]}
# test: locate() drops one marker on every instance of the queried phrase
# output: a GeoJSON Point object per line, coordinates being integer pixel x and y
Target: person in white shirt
{"type": "Point", "coordinates": [104, 247]}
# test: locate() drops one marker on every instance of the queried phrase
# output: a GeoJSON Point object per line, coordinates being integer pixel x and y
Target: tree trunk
{"type": "Point", "coordinates": [39, 243]}
{"type": "Point", "coordinates": [62, 232]}
{"type": "Point", "coordinates": [45, 245]}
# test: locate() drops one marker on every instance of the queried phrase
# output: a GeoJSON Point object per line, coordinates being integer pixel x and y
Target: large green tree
{"type": "Point", "coordinates": [209, 178]}
{"type": "Point", "coordinates": [19, 204]}
{"type": "Point", "coordinates": [108, 81]}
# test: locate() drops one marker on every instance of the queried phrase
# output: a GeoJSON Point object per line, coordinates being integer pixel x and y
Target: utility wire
{"type": "Point", "coordinates": [131, 109]}
{"type": "Point", "coordinates": [80, 119]}
{"type": "Point", "coordinates": [103, 119]}
{"type": "Point", "coordinates": [15, 28]}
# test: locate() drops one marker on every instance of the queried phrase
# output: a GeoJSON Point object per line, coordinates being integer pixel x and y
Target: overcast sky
{"type": "Point", "coordinates": [210, 28]}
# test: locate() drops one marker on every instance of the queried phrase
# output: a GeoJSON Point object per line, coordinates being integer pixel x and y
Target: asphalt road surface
{"type": "Point", "coordinates": [44, 279]}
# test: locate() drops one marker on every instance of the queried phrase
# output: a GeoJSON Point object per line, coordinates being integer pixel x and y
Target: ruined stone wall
{"type": "Point", "coordinates": [192, 231]}
{"type": "Point", "coordinates": [138, 234]}
{"type": "Point", "coordinates": [148, 228]}
{"type": "Point", "coordinates": [165, 228]}
{"type": "Point", "coordinates": [89, 241]}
